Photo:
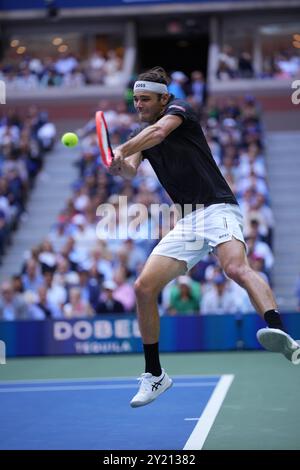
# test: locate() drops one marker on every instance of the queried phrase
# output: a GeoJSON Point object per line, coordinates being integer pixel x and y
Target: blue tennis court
{"type": "Point", "coordinates": [95, 414]}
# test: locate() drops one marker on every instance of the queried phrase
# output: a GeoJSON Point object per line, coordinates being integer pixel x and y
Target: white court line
{"type": "Point", "coordinates": [58, 388]}
{"type": "Point", "coordinates": [63, 380]}
{"type": "Point", "coordinates": [98, 379]}
{"type": "Point", "coordinates": [202, 428]}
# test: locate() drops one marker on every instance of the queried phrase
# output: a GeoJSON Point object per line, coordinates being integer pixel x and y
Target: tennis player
{"type": "Point", "coordinates": [172, 140]}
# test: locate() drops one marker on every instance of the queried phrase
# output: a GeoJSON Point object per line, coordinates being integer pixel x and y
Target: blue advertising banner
{"type": "Point", "coordinates": [120, 334]}
{"type": "Point", "coordinates": [252, 323]}
{"type": "Point", "coordinates": [116, 334]}
{"type": "Point", "coordinates": [38, 4]}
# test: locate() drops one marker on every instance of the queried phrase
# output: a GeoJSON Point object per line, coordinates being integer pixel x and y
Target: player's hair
{"type": "Point", "coordinates": [156, 74]}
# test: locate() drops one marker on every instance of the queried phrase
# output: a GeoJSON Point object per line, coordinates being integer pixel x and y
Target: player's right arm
{"type": "Point", "coordinates": [150, 136]}
{"type": "Point", "coordinates": [127, 168]}
{"type": "Point", "coordinates": [131, 150]}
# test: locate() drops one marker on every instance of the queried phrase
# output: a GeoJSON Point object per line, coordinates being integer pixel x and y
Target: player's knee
{"type": "Point", "coordinates": [237, 272]}
{"type": "Point", "coordinates": [143, 290]}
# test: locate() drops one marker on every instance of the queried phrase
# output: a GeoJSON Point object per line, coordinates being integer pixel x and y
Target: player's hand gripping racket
{"type": "Point", "coordinates": [103, 139]}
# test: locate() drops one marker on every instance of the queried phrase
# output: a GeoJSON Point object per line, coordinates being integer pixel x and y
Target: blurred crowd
{"type": "Point", "coordinates": [71, 70]}
{"type": "Point", "coordinates": [66, 70]}
{"type": "Point", "coordinates": [23, 144]}
{"type": "Point", "coordinates": [279, 65]}
{"type": "Point", "coordinates": [79, 271]}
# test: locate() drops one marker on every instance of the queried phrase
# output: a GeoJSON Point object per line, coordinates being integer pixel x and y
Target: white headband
{"type": "Point", "coordinates": [142, 85]}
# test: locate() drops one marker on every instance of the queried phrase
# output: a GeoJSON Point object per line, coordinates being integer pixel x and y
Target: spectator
{"type": "Point", "coordinates": [227, 67]}
{"type": "Point", "coordinates": [12, 306]}
{"type": "Point", "coordinates": [17, 284]}
{"type": "Point", "coordinates": [219, 299]}
{"type": "Point", "coordinates": [56, 293]}
{"type": "Point", "coordinates": [95, 67]}
{"type": "Point", "coordinates": [245, 68]}
{"type": "Point", "coordinates": [32, 277]}
{"type": "Point", "coordinates": [124, 291]}
{"type": "Point", "coordinates": [77, 307]}
{"type": "Point", "coordinates": [197, 88]}
{"type": "Point", "coordinates": [185, 297]}
{"type": "Point", "coordinates": [108, 304]}
{"type": "Point", "coordinates": [42, 308]}
{"type": "Point", "coordinates": [176, 86]}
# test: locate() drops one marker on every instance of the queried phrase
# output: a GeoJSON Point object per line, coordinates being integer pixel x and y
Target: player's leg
{"type": "Point", "coordinates": [233, 260]}
{"type": "Point", "coordinates": [157, 272]}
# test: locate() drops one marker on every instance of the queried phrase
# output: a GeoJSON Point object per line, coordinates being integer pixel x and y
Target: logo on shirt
{"type": "Point", "coordinates": [177, 107]}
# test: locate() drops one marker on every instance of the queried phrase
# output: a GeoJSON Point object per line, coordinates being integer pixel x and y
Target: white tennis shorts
{"type": "Point", "coordinates": [196, 234]}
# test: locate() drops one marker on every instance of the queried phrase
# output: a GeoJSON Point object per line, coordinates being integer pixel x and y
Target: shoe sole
{"type": "Point", "coordinates": [137, 404]}
{"type": "Point", "coordinates": [277, 341]}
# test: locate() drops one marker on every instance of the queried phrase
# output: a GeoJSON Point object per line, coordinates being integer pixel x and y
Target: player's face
{"type": "Point", "coordinates": [149, 105]}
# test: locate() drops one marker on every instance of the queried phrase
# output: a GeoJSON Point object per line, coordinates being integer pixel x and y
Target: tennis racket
{"type": "Point", "coordinates": [103, 139]}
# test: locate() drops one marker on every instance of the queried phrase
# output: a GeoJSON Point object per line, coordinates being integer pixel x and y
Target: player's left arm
{"type": "Point", "coordinates": [151, 135]}
{"type": "Point", "coordinates": [127, 168]}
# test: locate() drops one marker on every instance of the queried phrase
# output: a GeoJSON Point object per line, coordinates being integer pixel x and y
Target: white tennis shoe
{"type": "Point", "coordinates": [150, 388]}
{"type": "Point", "coordinates": [277, 340]}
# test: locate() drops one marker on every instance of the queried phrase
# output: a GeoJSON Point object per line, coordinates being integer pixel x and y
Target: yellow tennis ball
{"type": "Point", "coordinates": [69, 139]}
